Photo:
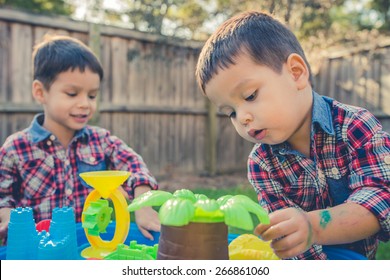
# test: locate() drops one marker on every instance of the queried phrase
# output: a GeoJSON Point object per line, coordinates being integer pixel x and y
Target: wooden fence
{"type": "Point", "coordinates": [360, 77]}
{"type": "Point", "coordinates": [149, 95]}
{"type": "Point", "coordinates": [150, 98]}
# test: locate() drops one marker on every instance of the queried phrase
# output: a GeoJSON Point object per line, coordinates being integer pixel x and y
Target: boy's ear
{"type": "Point", "coordinates": [299, 70]}
{"type": "Point", "coordinates": [38, 90]}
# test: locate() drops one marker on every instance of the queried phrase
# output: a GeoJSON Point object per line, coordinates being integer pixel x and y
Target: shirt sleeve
{"type": "Point", "coordinates": [8, 179]}
{"type": "Point", "coordinates": [370, 168]}
{"type": "Point", "coordinates": [122, 157]}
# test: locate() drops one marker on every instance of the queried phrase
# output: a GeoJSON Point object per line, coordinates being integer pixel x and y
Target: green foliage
{"type": "Point", "coordinates": [382, 7]}
{"type": "Point", "coordinates": [383, 252]}
{"type": "Point", "coordinates": [53, 7]}
{"type": "Point", "coordinates": [327, 22]}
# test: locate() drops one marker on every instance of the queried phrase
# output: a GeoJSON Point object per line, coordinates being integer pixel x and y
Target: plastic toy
{"type": "Point", "coordinates": [186, 217]}
{"type": "Point", "coordinates": [134, 252]}
{"type": "Point", "coordinates": [43, 225]}
{"type": "Point", "coordinates": [97, 214]}
{"type": "Point", "coordinates": [22, 243]}
{"type": "Point", "coordinates": [25, 242]}
{"type": "Point", "coordinates": [250, 247]}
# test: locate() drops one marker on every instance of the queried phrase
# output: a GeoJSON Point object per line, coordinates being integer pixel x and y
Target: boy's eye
{"type": "Point", "coordinates": [251, 97]}
{"type": "Point", "coordinates": [232, 115]}
{"type": "Point", "coordinates": [71, 94]}
{"type": "Point", "coordinates": [92, 96]}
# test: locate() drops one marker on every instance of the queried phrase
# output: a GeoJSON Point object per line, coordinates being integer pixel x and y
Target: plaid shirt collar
{"type": "Point", "coordinates": [321, 116]}
{"type": "Point", "coordinates": [39, 133]}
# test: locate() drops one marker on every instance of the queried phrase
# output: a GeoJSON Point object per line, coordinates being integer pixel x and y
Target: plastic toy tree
{"type": "Point", "coordinates": [194, 226]}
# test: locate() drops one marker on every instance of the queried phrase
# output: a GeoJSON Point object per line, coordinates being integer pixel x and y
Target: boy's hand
{"type": "Point", "coordinates": [5, 215]}
{"type": "Point", "coordinates": [147, 219]}
{"type": "Point", "coordinates": [290, 230]}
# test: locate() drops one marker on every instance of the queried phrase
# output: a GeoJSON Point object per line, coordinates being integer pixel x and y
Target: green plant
{"type": "Point", "coordinates": [383, 252]}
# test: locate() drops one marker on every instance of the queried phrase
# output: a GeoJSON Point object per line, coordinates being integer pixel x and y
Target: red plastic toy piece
{"type": "Point", "coordinates": [43, 225]}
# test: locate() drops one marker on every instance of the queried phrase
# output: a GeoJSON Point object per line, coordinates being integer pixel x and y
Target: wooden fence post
{"type": "Point", "coordinates": [94, 44]}
{"type": "Point", "coordinates": [211, 139]}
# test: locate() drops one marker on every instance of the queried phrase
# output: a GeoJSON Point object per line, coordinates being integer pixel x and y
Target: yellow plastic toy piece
{"type": "Point", "coordinates": [250, 247]}
{"type": "Point", "coordinates": [105, 184]}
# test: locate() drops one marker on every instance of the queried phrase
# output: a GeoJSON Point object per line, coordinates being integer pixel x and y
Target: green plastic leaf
{"type": "Point", "coordinates": [200, 196]}
{"type": "Point", "coordinates": [176, 212]}
{"type": "Point", "coordinates": [251, 207]}
{"type": "Point", "coordinates": [185, 194]}
{"type": "Point", "coordinates": [237, 216]}
{"type": "Point", "coordinates": [150, 198]}
{"type": "Point", "coordinates": [222, 200]}
{"type": "Point", "coordinates": [207, 205]}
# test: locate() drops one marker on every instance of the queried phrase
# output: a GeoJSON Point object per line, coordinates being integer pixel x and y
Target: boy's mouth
{"type": "Point", "coordinates": [80, 117]}
{"type": "Point", "coordinates": [258, 134]}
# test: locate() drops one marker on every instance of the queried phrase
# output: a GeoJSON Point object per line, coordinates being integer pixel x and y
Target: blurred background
{"type": "Point", "coordinates": [149, 50]}
{"type": "Point", "coordinates": [149, 96]}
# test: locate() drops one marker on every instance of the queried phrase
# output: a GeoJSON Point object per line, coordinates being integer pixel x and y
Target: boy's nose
{"type": "Point", "coordinates": [245, 119]}
{"type": "Point", "coordinates": [84, 102]}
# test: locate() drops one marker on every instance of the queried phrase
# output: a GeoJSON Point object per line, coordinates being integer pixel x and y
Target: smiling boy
{"type": "Point", "coordinates": [40, 166]}
{"type": "Point", "coordinates": [320, 167]}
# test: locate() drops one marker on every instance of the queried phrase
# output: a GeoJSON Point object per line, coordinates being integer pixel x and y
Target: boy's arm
{"type": "Point", "coordinates": [122, 157]}
{"type": "Point", "coordinates": [344, 223]}
{"type": "Point", "coordinates": [5, 214]}
{"type": "Point", "coordinates": [293, 231]}
{"type": "Point", "coordinates": [8, 177]}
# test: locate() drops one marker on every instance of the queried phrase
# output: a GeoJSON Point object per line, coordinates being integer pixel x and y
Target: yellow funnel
{"type": "Point", "coordinates": [105, 182]}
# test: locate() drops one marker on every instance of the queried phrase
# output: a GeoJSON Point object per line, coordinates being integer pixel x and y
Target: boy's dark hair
{"type": "Point", "coordinates": [56, 54]}
{"type": "Point", "coordinates": [264, 38]}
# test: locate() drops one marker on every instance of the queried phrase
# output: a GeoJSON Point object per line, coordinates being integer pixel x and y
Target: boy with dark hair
{"type": "Point", "coordinates": [40, 166]}
{"type": "Point", "coordinates": [320, 167]}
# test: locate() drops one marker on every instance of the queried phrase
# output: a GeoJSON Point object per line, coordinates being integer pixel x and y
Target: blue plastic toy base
{"type": "Point", "coordinates": [134, 234]}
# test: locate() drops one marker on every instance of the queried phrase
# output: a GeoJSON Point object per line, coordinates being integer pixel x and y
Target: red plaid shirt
{"type": "Point", "coordinates": [37, 171]}
{"type": "Point", "coordinates": [350, 161]}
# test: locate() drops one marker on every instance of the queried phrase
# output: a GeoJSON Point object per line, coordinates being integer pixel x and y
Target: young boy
{"type": "Point", "coordinates": [321, 167]}
{"type": "Point", "coordinates": [40, 166]}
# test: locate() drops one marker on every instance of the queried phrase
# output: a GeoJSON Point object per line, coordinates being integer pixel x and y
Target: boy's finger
{"type": "Point", "coordinates": [155, 227]}
{"type": "Point", "coordinates": [146, 233]}
{"type": "Point", "coordinates": [260, 229]}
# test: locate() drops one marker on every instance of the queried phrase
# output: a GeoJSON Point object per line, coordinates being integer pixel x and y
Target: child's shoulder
{"type": "Point", "coordinates": [348, 115]}
{"type": "Point", "coordinates": [17, 138]}
{"type": "Point", "coordinates": [355, 124]}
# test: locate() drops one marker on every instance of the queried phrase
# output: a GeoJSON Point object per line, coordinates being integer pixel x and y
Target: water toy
{"type": "Point", "coordinates": [97, 214]}
{"type": "Point", "coordinates": [194, 226]}
{"type": "Point", "coordinates": [25, 242]}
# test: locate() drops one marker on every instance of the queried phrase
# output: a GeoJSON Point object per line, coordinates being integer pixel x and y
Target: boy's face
{"type": "Point", "coordinates": [264, 106]}
{"type": "Point", "coordinates": [70, 102]}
